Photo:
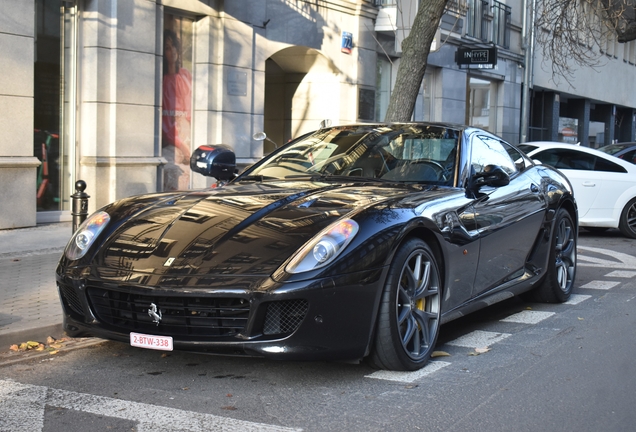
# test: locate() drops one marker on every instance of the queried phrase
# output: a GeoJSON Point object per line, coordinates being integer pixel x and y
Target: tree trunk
{"type": "Point", "coordinates": [415, 50]}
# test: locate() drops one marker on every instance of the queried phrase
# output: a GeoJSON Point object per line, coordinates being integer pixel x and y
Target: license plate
{"type": "Point", "coordinates": [163, 343]}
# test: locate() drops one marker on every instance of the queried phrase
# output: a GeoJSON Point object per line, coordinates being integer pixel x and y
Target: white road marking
{"type": "Point", "coordinates": [622, 274]}
{"type": "Point", "coordinates": [600, 285]}
{"type": "Point", "coordinates": [479, 339]}
{"type": "Point", "coordinates": [576, 299]}
{"type": "Point", "coordinates": [409, 377]}
{"type": "Point", "coordinates": [22, 409]}
{"type": "Point", "coordinates": [528, 317]}
{"type": "Point", "coordinates": [624, 261]}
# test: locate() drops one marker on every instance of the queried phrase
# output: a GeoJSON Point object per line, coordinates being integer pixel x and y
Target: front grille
{"type": "Point", "coordinates": [71, 299]}
{"type": "Point", "coordinates": [188, 317]}
{"type": "Point", "coordinates": [283, 317]}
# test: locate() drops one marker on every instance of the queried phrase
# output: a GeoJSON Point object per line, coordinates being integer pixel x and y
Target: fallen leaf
{"type": "Point", "coordinates": [580, 319]}
{"type": "Point", "coordinates": [440, 354]}
{"type": "Point", "coordinates": [14, 347]}
{"type": "Point", "coordinates": [482, 350]}
{"type": "Point", "coordinates": [40, 347]}
{"type": "Point", "coordinates": [54, 352]}
{"type": "Point", "coordinates": [32, 344]}
{"type": "Point", "coordinates": [229, 408]}
{"type": "Point", "coordinates": [228, 395]}
{"type": "Point", "coordinates": [528, 308]}
{"type": "Point", "coordinates": [164, 355]}
{"type": "Point", "coordinates": [185, 388]}
{"type": "Point", "coordinates": [50, 340]}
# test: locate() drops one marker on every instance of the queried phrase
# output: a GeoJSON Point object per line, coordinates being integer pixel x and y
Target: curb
{"type": "Point", "coordinates": [7, 359]}
{"type": "Point", "coordinates": [37, 334]}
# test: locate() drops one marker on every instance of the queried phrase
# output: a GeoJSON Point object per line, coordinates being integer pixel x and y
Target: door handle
{"type": "Point", "coordinates": [588, 184]}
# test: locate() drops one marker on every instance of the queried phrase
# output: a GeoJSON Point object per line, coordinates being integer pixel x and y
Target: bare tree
{"type": "Point", "coordinates": [578, 33]}
{"type": "Point", "coordinates": [571, 33]}
{"type": "Point", "coordinates": [415, 49]}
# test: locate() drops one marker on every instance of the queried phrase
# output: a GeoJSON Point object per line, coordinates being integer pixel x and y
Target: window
{"type": "Point", "coordinates": [383, 87]}
{"type": "Point", "coordinates": [176, 110]}
{"type": "Point", "coordinates": [54, 108]}
{"type": "Point", "coordinates": [501, 24]}
{"type": "Point", "coordinates": [423, 110]}
{"type": "Point", "coordinates": [576, 160]}
{"type": "Point", "coordinates": [490, 151]}
{"type": "Point", "coordinates": [477, 19]}
{"type": "Point", "coordinates": [481, 98]}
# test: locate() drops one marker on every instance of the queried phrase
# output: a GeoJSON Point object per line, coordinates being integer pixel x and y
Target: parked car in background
{"type": "Point", "coordinates": [604, 186]}
{"type": "Point", "coordinates": [625, 151]}
{"type": "Point", "coordinates": [349, 242]}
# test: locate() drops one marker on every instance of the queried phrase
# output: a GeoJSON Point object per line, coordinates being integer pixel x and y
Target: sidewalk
{"type": "Point", "coordinates": [29, 304]}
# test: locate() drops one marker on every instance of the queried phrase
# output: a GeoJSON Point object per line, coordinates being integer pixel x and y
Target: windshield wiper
{"type": "Point", "coordinates": [340, 178]}
{"type": "Point", "coordinates": [257, 178]}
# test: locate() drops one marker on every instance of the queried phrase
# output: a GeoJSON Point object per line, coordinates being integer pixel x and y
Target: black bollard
{"type": "Point", "coordinates": [80, 204]}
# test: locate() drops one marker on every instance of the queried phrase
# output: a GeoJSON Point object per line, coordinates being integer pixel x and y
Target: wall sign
{"type": "Point", "coordinates": [347, 42]}
{"type": "Point", "coordinates": [476, 57]}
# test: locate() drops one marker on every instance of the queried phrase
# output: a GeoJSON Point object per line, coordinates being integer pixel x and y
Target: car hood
{"type": "Point", "coordinates": [242, 229]}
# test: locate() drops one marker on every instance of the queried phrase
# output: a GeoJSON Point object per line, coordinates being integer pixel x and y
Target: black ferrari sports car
{"type": "Point", "coordinates": [350, 242]}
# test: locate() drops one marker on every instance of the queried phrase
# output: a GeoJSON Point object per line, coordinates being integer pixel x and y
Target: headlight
{"type": "Point", "coordinates": [323, 248]}
{"type": "Point", "coordinates": [86, 234]}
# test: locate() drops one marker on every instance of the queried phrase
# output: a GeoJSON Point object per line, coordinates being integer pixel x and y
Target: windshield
{"type": "Point", "coordinates": [423, 154]}
{"type": "Point", "coordinates": [615, 148]}
{"type": "Point", "coordinates": [526, 148]}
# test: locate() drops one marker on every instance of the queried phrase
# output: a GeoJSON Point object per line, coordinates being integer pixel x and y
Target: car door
{"type": "Point", "coordinates": [578, 167]}
{"type": "Point", "coordinates": [507, 218]}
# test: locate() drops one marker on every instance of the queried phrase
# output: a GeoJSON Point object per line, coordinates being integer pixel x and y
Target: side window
{"type": "Point", "coordinates": [520, 160]}
{"type": "Point", "coordinates": [490, 151]}
{"type": "Point", "coordinates": [605, 165]}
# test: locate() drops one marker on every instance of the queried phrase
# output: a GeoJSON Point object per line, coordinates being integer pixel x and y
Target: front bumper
{"type": "Point", "coordinates": [331, 318]}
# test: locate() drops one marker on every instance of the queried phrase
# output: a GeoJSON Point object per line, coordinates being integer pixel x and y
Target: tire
{"type": "Point", "coordinates": [627, 223]}
{"type": "Point", "coordinates": [409, 315]}
{"type": "Point", "coordinates": [557, 285]}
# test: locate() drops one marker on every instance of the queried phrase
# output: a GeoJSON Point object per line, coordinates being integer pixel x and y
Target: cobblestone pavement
{"type": "Point", "coordinates": [29, 304]}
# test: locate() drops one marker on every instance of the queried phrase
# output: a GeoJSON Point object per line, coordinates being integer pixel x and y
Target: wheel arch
{"type": "Point", "coordinates": [570, 206]}
{"type": "Point", "coordinates": [428, 235]}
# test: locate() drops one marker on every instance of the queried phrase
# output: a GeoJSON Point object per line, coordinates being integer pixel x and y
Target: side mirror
{"type": "Point", "coordinates": [492, 175]}
{"type": "Point", "coordinates": [217, 161]}
{"type": "Point", "coordinates": [262, 136]}
{"type": "Point", "coordinates": [325, 123]}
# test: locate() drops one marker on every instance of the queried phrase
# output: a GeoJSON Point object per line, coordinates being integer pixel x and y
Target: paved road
{"type": "Point", "coordinates": [543, 367]}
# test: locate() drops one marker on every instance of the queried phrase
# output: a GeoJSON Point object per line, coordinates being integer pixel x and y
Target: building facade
{"type": "Point", "coordinates": [595, 107]}
{"type": "Point", "coordinates": [119, 92]}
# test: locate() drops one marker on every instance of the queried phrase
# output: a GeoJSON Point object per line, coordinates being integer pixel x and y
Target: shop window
{"type": "Point", "coordinates": [480, 106]}
{"type": "Point", "coordinates": [424, 104]}
{"type": "Point", "coordinates": [53, 107]}
{"type": "Point", "coordinates": [176, 110]}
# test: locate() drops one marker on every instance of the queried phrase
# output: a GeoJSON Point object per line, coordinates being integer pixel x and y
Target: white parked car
{"type": "Point", "coordinates": [604, 185]}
